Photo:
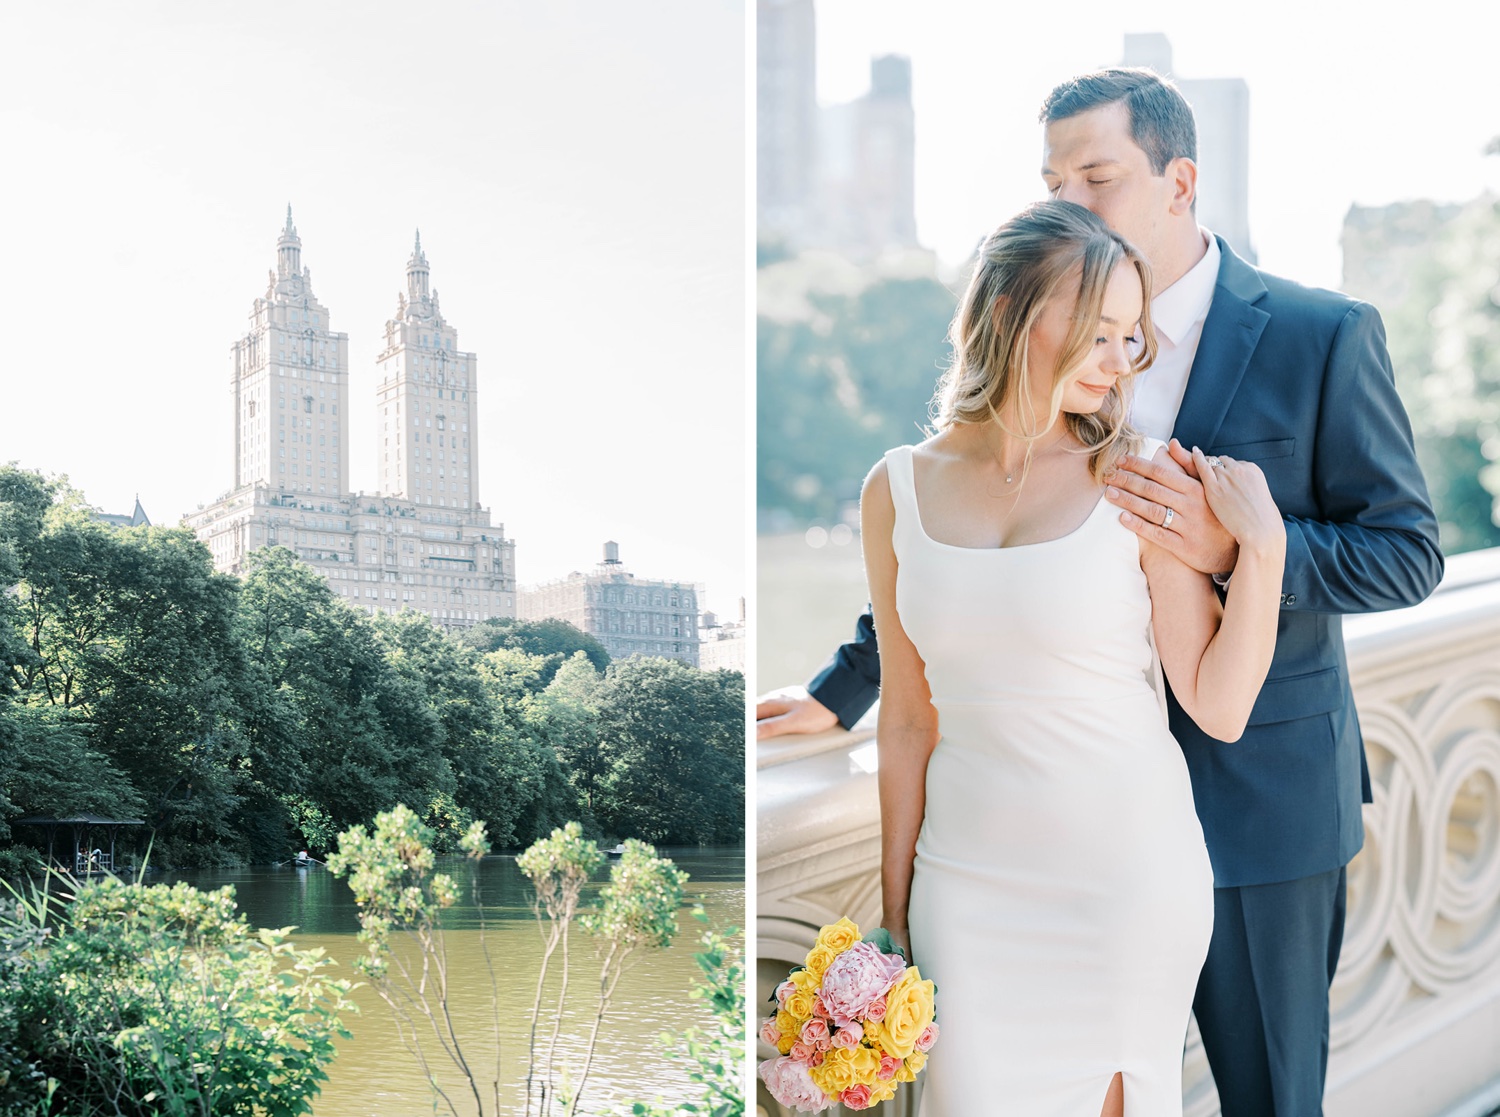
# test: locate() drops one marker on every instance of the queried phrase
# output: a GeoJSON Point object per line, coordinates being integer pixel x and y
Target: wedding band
{"type": "Point", "coordinates": [1167, 520]}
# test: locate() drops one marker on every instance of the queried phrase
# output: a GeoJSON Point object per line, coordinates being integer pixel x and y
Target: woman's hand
{"type": "Point", "coordinates": [1241, 500]}
{"type": "Point", "coordinates": [901, 936]}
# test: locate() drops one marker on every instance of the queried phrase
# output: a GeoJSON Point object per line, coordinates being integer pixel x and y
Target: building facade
{"type": "Point", "coordinates": [628, 615]}
{"type": "Point", "coordinates": [423, 541]}
{"type": "Point", "coordinates": [722, 644]}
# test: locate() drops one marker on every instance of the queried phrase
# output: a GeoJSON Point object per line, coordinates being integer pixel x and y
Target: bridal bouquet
{"type": "Point", "coordinates": [851, 1024]}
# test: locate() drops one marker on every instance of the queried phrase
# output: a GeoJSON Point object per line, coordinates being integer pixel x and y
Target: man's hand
{"type": "Point", "coordinates": [778, 714]}
{"type": "Point", "coordinates": [1163, 502]}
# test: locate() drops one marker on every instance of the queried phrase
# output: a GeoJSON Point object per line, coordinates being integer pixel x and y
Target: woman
{"type": "Point", "coordinates": [1040, 847]}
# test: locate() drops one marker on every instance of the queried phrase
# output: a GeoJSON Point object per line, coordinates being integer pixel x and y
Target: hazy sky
{"type": "Point", "coordinates": [1347, 104]}
{"type": "Point", "coordinates": [577, 169]}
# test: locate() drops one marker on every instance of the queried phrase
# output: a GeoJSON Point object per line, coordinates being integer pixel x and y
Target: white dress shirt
{"type": "Point", "coordinates": [1178, 313]}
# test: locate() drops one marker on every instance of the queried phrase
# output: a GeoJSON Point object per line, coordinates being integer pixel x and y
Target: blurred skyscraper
{"type": "Point", "coordinates": [1222, 107]}
{"type": "Point", "coordinates": [839, 177]}
{"type": "Point", "coordinates": [786, 105]}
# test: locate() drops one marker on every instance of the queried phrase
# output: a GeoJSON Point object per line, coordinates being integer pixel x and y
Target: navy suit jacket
{"type": "Point", "coordinates": [1298, 381]}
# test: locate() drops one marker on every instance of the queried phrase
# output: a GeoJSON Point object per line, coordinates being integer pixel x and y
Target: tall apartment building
{"type": "Point", "coordinates": [628, 615]}
{"type": "Point", "coordinates": [422, 541]}
{"type": "Point", "coordinates": [839, 177]}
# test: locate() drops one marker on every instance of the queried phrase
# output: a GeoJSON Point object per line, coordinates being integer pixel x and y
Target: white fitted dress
{"type": "Point", "coordinates": [1062, 897]}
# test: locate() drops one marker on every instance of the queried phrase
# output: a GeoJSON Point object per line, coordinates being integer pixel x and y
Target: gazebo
{"type": "Point", "coordinates": [84, 856]}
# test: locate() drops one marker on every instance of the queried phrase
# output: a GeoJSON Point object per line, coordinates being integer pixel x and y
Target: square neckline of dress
{"type": "Point", "coordinates": [916, 507]}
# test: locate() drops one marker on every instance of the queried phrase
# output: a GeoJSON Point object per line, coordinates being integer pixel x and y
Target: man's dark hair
{"type": "Point", "coordinates": [1161, 120]}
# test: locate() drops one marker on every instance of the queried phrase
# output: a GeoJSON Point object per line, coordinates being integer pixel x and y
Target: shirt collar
{"type": "Point", "coordinates": [1175, 310]}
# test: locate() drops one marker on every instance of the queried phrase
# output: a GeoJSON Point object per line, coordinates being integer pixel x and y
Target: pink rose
{"type": "Point", "coordinates": [825, 1044]}
{"type": "Point", "coordinates": [770, 1032]}
{"type": "Point", "coordinates": [856, 977]}
{"type": "Point", "coordinates": [783, 991]}
{"type": "Point", "coordinates": [889, 1065]}
{"type": "Point", "coordinates": [803, 1052]}
{"type": "Point", "coordinates": [789, 1084]}
{"type": "Point", "coordinates": [848, 1036]}
{"type": "Point", "coordinates": [820, 1010]}
{"type": "Point", "coordinates": [876, 1012]}
{"type": "Point", "coordinates": [928, 1037]}
{"type": "Point", "coordinates": [856, 1097]}
{"type": "Point", "coordinates": [814, 1031]}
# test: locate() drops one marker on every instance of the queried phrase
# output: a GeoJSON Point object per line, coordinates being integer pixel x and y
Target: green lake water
{"type": "Point", "coordinates": [376, 1076]}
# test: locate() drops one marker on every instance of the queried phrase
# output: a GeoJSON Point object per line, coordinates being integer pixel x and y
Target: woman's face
{"type": "Point", "coordinates": [1116, 336]}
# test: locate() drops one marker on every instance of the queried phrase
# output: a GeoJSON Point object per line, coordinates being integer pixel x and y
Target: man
{"type": "Point", "coordinates": [1298, 381]}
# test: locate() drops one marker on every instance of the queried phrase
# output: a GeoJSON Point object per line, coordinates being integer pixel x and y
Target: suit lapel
{"type": "Point", "coordinates": [1230, 334]}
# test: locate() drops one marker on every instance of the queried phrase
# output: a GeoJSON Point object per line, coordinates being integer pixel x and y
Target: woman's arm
{"type": "Point", "coordinates": [907, 730]}
{"type": "Point", "coordinates": [1216, 658]}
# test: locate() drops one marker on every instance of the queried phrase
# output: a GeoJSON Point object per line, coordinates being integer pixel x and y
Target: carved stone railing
{"type": "Point", "coordinates": [1416, 1003]}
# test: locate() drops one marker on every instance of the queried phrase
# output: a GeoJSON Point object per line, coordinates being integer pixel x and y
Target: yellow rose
{"type": "Point", "coordinates": [787, 1024]}
{"type": "Point", "coordinates": [835, 1074]}
{"type": "Point", "coordinates": [819, 958]}
{"type": "Point", "coordinates": [908, 1011]}
{"type": "Point", "coordinates": [916, 1061]}
{"type": "Point", "coordinates": [784, 1044]}
{"type": "Point", "coordinates": [800, 1004]}
{"type": "Point", "coordinates": [875, 1033]}
{"type": "Point", "coordinates": [806, 982]}
{"type": "Point", "coordinates": [883, 1091]}
{"type": "Point", "coordinates": [839, 937]}
{"type": "Point", "coordinates": [843, 1067]}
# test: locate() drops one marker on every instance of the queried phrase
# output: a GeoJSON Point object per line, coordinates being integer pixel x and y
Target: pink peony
{"type": "Point", "coordinates": [889, 1065]}
{"type": "Point", "coordinates": [856, 1097]}
{"type": "Point", "coordinates": [856, 977]}
{"type": "Point", "coordinates": [928, 1037]}
{"type": "Point", "coordinates": [814, 1031]}
{"type": "Point", "coordinates": [790, 1085]}
{"type": "Point", "coordinates": [876, 1012]}
{"type": "Point", "coordinates": [770, 1032]}
{"type": "Point", "coordinates": [849, 1035]}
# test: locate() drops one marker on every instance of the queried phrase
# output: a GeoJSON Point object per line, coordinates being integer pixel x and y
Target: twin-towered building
{"type": "Point", "coordinates": [423, 541]}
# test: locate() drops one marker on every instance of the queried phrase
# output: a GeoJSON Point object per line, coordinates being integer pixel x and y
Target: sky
{"type": "Point", "coordinates": [578, 173]}
{"type": "Point", "coordinates": [1347, 105]}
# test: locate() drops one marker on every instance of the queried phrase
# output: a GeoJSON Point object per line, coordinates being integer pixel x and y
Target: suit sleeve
{"type": "Point", "coordinates": [1375, 543]}
{"type": "Point", "coordinates": [849, 682]}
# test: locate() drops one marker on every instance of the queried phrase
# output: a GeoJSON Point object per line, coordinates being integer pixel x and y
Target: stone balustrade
{"type": "Point", "coordinates": [1416, 1003]}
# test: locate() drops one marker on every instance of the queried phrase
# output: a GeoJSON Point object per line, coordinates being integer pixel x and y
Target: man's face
{"type": "Point", "coordinates": [1091, 159]}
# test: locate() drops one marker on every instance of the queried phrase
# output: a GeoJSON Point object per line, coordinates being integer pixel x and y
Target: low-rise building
{"type": "Point", "coordinates": [627, 614]}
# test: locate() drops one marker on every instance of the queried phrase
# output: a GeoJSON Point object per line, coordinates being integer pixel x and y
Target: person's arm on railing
{"type": "Point", "coordinates": [839, 694]}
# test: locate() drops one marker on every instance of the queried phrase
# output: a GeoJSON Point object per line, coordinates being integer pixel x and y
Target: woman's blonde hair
{"type": "Point", "coordinates": [1052, 249]}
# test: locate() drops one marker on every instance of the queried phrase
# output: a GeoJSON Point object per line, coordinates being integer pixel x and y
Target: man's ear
{"type": "Point", "coordinates": [1182, 173]}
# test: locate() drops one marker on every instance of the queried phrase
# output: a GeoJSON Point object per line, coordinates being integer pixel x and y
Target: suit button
{"type": "Point", "coordinates": [1289, 599]}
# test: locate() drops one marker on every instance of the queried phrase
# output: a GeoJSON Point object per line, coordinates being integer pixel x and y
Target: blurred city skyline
{"type": "Point", "coordinates": [591, 257]}
{"type": "Point", "coordinates": [1342, 111]}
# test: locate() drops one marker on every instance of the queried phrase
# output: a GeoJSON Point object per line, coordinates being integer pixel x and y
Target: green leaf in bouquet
{"type": "Point", "coordinates": [880, 939]}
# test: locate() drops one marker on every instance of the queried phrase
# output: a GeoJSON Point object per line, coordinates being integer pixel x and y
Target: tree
{"type": "Point", "coordinates": [552, 639]}
{"type": "Point", "coordinates": [675, 740]}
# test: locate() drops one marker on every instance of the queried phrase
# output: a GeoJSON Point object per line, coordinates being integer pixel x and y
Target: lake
{"type": "Point", "coordinates": [375, 1076]}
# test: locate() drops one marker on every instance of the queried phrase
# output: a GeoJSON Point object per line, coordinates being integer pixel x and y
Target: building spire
{"type": "Point", "coordinates": [288, 249]}
{"type": "Point", "coordinates": [416, 272]}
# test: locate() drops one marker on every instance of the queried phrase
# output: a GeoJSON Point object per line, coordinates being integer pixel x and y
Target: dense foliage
{"type": "Point", "coordinates": [136, 1001]}
{"type": "Point", "coordinates": [244, 718]}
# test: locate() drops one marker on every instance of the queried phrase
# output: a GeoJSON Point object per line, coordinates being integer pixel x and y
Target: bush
{"type": "Point", "coordinates": [161, 1000]}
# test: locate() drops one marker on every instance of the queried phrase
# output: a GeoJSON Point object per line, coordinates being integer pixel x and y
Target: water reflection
{"type": "Point", "coordinates": [374, 1076]}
